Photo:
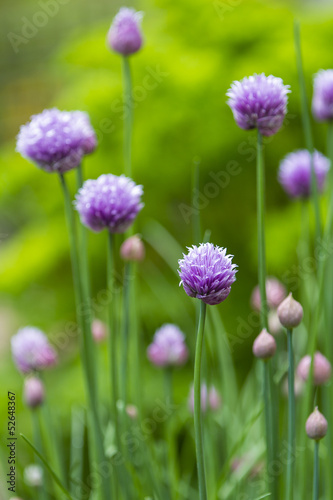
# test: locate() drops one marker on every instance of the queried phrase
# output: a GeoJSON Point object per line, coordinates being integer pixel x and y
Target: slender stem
{"type": "Point", "coordinates": [291, 419]}
{"type": "Point", "coordinates": [261, 231]}
{"type": "Point", "coordinates": [197, 404]}
{"type": "Point", "coordinates": [307, 128]}
{"type": "Point", "coordinates": [169, 437]}
{"type": "Point", "coordinates": [125, 332]}
{"type": "Point", "coordinates": [83, 253]}
{"type": "Point", "coordinates": [315, 495]}
{"type": "Point", "coordinates": [128, 116]}
{"type": "Point", "coordinates": [268, 423]}
{"type": "Point", "coordinates": [196, 210]}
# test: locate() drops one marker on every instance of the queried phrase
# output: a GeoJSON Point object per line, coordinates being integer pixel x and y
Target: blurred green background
{"type": "Point", "coordinates": [193, 50]}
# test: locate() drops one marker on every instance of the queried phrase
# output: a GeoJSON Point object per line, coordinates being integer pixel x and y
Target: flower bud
{"type": "Point", "coordinates": [99, 330]}
{"type": "Point", "coordinates": [125, 35]}
{"type": "Point", "coordinates": [290, 312]}
{"type": "Point", "coordinates": [264, 346]}
{"type": "Point", "coordinates": [132, 249]}
{"type": "Point", "coordinates": [214, 398]}
{"type": "Point", "coordinates": [132, 411]}
{"type": "Point", "coordinates": [33, 392]}
{"type": "Point", "coordinates": [274, 325]}
{"type": "Point", "coordinates": [316, 425]}
{"type": "Point", "coordinates": [322, 369]}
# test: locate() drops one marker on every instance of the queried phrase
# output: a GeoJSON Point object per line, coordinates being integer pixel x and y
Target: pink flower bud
{"type": "Point", "coordinates": [132, 249]}
{"type": "Point", "coordinates": [316, 425]}
{"type": "Point", "coordinates": [214, 398]}
{"type": "Point", "coordinates": [274, 325]}
{"type": "Point", "coordinates": [264, 346]}
{"type": "Point", "coordinates": [33, 392]}
{"type": "Point", "coordinates": [125, 35]}
{"type": "Point", "coordinates": [132, 411]}
{"type": "Point", "coordinates": [275, 293]}
{"type": "Point", "coordinates": [99, 330]}
{"type": "Point", "coordinates": [322, 369]}
{"type": "Point", "coordinates": [290, 312]}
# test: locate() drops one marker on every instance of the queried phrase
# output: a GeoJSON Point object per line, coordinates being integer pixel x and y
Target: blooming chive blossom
{"type": "Point", "coordinates": [56, 140]}
{"type": "Point", "coordinates": [125, 35]}
{"type": "Point", "coordinates": [207, 273]}
{"type": "Point", "coordinates": [275, 293]}
{"type": "Point", "coordinates": [109, 202]}
{"type": "Point", "coordinates": [322, 102]}
{"type": "Point", "coordinates": [260, 102]}
{"type": "Point", "coordinates": [31, 350]}
{"type": "Point", "coordinates": [168, 347]}
{"type": "Point", "coordinates": [295, 172]}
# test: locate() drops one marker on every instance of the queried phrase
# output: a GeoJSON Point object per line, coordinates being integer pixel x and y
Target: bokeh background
{"type": "Point", "coordinates": [53, 53]}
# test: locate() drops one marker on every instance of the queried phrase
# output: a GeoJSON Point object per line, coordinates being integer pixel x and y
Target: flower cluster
{"type": "Point", "coordinates": [322, 102]}
{"type": "Point", "coordinates": [31, 350]}
{"type": "Point", "coordinates": [168, 347]}
{"type": "Point", "coordinates": [125, 35]}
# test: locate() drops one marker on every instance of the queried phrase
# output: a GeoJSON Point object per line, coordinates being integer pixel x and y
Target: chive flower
{"type": "Point", "coordinates": [260, 102]}
{"type": "Point", "coordinates": [275, 294]}
{"type": "Point", "coordinates": [322, 101]}
{"type": "Point", "coordinates": [207, 273]}
{"type": "Point", "coordinates": [31, 350]}
{"type": "Point", "coordinates": [109, 202]}
{"type": "Point", "coordinates": [125, 35]}
{"type": "Point", "coordinates": [56, 141]}
{"type": "Point", "coordinates": [295, 172]}
{"type": "Point", "coordinates": [33, 392]}
{"type": "Point", "coordinates": [316, 425]}
{"type": "Point", "coordinates": [322, 369]}
{"type": "Point", "coordinates": [168, 347]}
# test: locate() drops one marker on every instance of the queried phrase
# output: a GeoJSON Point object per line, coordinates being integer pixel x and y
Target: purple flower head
{"type": "Point", "coordinates": [322, 102]}
{"type": "Point", "coordinates": [31, 350]}
{"type": "Point", "coordinates": [109, 202]}
{"type": "Point", "coordinates": [56, 140]}
{"type": "Point", "coordinates": [125, 35]}
{"type": "Point", "coordinates": [260, 102]}
{"type": "Point", "coordinates": [295, 173]}
{"type": "Point", "coordinates": [207, 273]}
{"type": "Point", "coordinates": [168, 347]}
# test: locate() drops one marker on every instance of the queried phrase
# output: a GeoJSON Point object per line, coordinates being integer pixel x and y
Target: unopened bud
{"type": "Point", "coordinates": [316, 425]}
{"type": "Point", "coordinates": [290, 312]}
{"type": "Point", "coordinates": [264, 346]}
{"type": "Point", "coordinates": [33, 392]}
{"type": "Point", "coordinates": [322, 369]}
{"type": "Point", "coordinates": [132, 249]}
{"type": "Point", "coordinates": [99, 330]}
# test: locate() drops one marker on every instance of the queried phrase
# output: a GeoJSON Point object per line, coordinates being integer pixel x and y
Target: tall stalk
{"type": "Point", "coordinates": [128, 116]}
{"type": "Point", "coordinates": [197, 404]}
{"type": "Point", "coordinates": [291, 419]}
{"type": "Point", "coordinates": [315, 491]}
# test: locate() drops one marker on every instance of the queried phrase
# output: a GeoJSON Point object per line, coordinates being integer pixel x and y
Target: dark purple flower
{"type": "Point", "coordinates": [295, 173]}
{"type": "Point", "coordinates": [260, 102]}
{"type": "Point", "coordinates": [31, 350]}
{"type": "Point", "coordinates": [125, 35]}
{"type": "Point", "coordinates": [168, 347]}
{"type": "Point", "coordinates": [322, 101]}
{"type": "Point", "coordinates": [109, 202]}
{"type": "Point", "coordinates": [207, 273]}
{"type": "Point", "coordinates": [56, 140]}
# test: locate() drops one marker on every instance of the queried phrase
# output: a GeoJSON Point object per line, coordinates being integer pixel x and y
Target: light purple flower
{"type": "Point", "coordinates": [207, 273]}
{"type": "Point", "coordinates": [56, 140]}
{"type": "Point", "coordinates": [109, 202]}
{"type": "Point", "coordinates": [275, 293]}
{"type": "Point", "coordinates": [168, 347]}
{"type": "Point", "coordinates": [31, 350]}
{"type": "Point", "coordinates": [295, 172]}
{"type": "Point", "coordinates": [125, 35]}
{"type": "Point", "coordinates": [203, 398]}
{"type": "Point", "coordinates": [322, 101]}
{"type": "Point", "coordinates": [260, 102]}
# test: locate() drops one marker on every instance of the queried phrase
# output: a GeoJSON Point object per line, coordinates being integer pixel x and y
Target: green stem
{"type": "Point", "coordinates": [196, 210]}
{"type": "Point", "coordinates": [128, 116]}
{"type": "Point", "coordinates": [268, 423]}
{"type": "Point", "coordinates": [125, 333]}
{"type": "Point", "coordinates": [197, 404]}
{"type": "Point", "coordinates": [261, 231]}
{"type": "Point", "coordinates": [315, 495]}
{"type": "Point", "coordinates": [169, 437]}
{"type": "Point", "coordinates": [291, 419]}
{"type": "Point", "coordinates": [307, 128]}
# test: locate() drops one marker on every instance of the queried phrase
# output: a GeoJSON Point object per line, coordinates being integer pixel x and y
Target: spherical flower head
{"type": "Point", "coordinates": [264, 346]}
{"type": "Point", "coordinates": [125, 35]}
{"type": "Point", "coordinates": [260, 102]}
{"type": "Point", "coordinates": [295, 172]}
{"type": "Point", "coordinates": [132, 249]}
{"type": "Point", "coordinates": [168, 347]}
{"type": "Point", "coordinates": [322, 102]}
{"type": "Point", "coordinates": [322, 369]}
{"type": "Point", "coordinates": [56, 141]}
{"type": "Point", "coordinates": [316, 425]}
{"type": "Point", "coordinates": [99, 330]}
{"type": "Point", "coordinates": [33, 475]}
{"type": "Point", "coordinates": [290, 312]}
{"type": "Point", "coordinates": [203, 398]}
{"type": "Point", "coordinates": [31, 350]}
{"type": "Point", "coordinates": [214, 399]}
{"type": "Point", "coordinates": [275, 293]}
{"type": "Point", "coordinates": [207, 273]}
{"type": "Point", "coordinates": [33, 392]}
{"type": "Point", "coordinates": [109, 202]}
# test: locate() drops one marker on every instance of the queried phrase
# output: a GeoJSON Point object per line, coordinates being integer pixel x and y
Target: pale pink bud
{"type": "Point", "coordinates": [322, 369]}
{"type": "Point", "coordinates": [214, 398]}
{"type": "Point", "coordinates": [99, 330]}
{"type": "Point", "coordinates": [132, 249]}
{"type": "Point", "coordinates": [290, 312]}
{"type": "Point", "coordinates": [132, 411]}
{"type": "Point", "coordinates": [275, 293]}
{"type": "Point", "coordinates": [274, 324]}
{"type": "Point", "coordinates": [33, 392]}
{"type": "Point", "coordinates": [264, 346]}
{"type": "Point", "coordinates": [316, 425]}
